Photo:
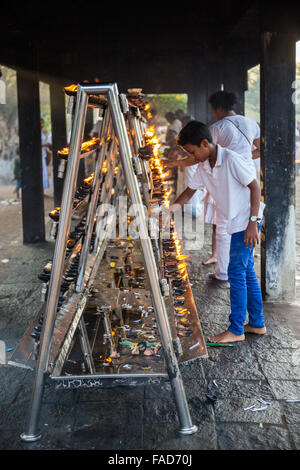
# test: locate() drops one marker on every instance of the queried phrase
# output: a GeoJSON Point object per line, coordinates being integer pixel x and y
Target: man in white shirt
{"type": "Point", "coordinates": [231, 181]}
{"type": "Point", "coordinates": [242, 135]}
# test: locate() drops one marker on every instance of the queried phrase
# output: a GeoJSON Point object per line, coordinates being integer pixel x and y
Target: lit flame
{"type": "Point", "coordinates": [89, 178]}
{"type": "Point", "coordinates": [150, 132]}
{"type": "Point", "coordinates": [57, 209]}
{"type": "Point", "coordinates": [156, 164]}
{"type": "Point", "coordinates": [85, 146]}
{"type": "Point", "coordinates": [89, 143]}
{"type": "Point", "coordinates": [104, 168]}
{"type": "Point", "coordinates": [71, 88]}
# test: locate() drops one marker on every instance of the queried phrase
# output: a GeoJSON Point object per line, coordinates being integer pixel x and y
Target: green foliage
{"type": "Point", "coordinates": [252, 96]}
{"type": "Point", "coordinates": [298, 85]}
{"type": "Point", "coordinates": [45, 105]}
{"type": "Point", "coordinates": [167, 102]}
{"type": "Point", "coordinates": [9, 111]}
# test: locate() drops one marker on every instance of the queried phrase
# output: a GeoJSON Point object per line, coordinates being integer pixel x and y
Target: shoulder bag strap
{"type": "Point", "coordinates": [226, 119]}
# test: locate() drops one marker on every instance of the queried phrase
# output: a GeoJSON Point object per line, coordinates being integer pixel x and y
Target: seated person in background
{"type": "Point", "coordinates": [180, 115]}
{"type": "Point", "coordinates": [173, 129]}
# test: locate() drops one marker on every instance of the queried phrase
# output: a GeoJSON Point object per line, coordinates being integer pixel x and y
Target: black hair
{"type": "Point", "coordinates": [179, 112]}
{"type": "Point", "coordinates": [170, 116]}
{"type": "Point", "coordinates": [223, 99]}
{"type": "Point", "coordinates": [193, 133]}
{"type": "Point", "coordinates": [186, 119]}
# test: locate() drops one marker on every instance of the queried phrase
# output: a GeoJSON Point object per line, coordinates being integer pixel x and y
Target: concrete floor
{"type": "Point", "coordinates": [144, 417]}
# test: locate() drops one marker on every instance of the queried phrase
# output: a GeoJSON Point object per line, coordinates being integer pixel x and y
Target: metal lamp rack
{"type": "Point", "coordinates": [62, 330]}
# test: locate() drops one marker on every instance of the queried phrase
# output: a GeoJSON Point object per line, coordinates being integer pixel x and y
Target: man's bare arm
{"type": "Point", "coordinates": [185, 196]}
{"type": "Point", "coordinates": [256, 151]}
{"type": "Point", "coordinates": [183, 162]}
{"type": "Point", "coordinates": [251, 237]}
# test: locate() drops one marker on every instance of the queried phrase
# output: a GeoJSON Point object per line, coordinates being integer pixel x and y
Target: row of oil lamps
{"type": "Point", "coordinates": [174, 266]}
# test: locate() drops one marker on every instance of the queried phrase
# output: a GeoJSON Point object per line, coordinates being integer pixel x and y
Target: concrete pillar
{"type": "Point", "coordinates": [214, 83]}
{"type": "Point", "coordinates": [235, 81]}
{"type": "Point", "coordinates": [89, 123]}
{"type": "Point", "coordinates": [86, 136]}
{"type": "Point", "coordinates": [278, 164]}
{"type": "Point", "coordinates": [30, 146]}
{"type": "Point", "coordinates": [206, 82]}
{"type": "Point", "coordinates": [197, 101]}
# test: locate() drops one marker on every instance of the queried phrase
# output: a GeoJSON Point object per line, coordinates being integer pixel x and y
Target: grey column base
{"type": "Point", "coordinates": [186, 431]}
{"type": "Point", "coordinates": [30, 437]}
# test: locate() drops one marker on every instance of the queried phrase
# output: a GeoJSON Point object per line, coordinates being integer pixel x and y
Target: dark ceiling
{"type": "Point", "coordinates": [126, 41]}
{"type": "Point", "coordinates": [40, 19]}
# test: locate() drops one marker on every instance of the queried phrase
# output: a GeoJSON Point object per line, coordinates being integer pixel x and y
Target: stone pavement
{"type": "Point", "coordinates": [144, 417]}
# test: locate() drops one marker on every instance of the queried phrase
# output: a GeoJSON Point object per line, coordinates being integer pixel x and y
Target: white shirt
{"type": "Point", "coordinates": [189, 172]}
{"type": "Point", "coordinates": [227, 183]}
{"type": "Point", "coordinates": [176, 126]}
{"type": "Point", "coordinates": [43, 141]}
{"type": "Point", "coordinates": [227, 134]}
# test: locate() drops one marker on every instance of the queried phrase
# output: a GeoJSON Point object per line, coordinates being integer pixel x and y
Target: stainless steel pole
{"type": "Point", "coordinates": [186, 426]}
{"type": "Point", "coordinates": [58, 264]}
{"type": "Point", "coordinates": [145, 165]}
{"type": "Point", "coordinates": [92, 208]}
{"type": "Point", "coordinates": [85, 346]}
{"type": "Point", "coordinates": [106, 134]}
{"type": "Point", "coordinates": [106, 190]}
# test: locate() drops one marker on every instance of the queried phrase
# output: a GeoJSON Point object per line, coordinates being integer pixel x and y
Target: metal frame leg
{"type": "Point", "coordinates": [31, 434]}
{"type": "Point", "coordinates": [186, 426]}
{"type": "Point", "coordinates": [85, 346]}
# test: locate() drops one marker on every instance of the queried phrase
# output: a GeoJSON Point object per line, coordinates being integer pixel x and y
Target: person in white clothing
{"type": "Point", "coordinates": [230, 178]}
{"type": "Point", "coordinates": [240, 134]}
{"type": "Point", "coordinates": [173, 129]}
{"type": "Point", "coordinates": [197, 202]}
{"type": "Point", "coordinates": [44, 144]}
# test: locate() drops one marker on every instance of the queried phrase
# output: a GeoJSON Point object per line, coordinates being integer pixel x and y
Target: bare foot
{"type": "Point", "coordinates": [212, 275]}
{"type": "Point", "coordinates": [226, 337]}
{"type": "Point", "coordinates": [257, 331]}
{"type": "Point", "coordinates": [210, 260]}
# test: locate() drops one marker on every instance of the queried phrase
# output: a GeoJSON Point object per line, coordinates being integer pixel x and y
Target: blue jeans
{"type": "Point", "coordinates": [245, 293]}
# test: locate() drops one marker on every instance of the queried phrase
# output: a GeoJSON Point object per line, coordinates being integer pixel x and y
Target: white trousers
{"type": "Point", "coordinates": [223, 240]}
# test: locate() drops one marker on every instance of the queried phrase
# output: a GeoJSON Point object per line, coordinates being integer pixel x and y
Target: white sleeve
{"type": "Point", "coordinates": [214, 133]}
{"type": "Point", "coordinates": [223, 134]}
{"type": "Point", "coordinates": [256, 131]}
{"type": "Point", "coordinates": [242, 169]}
{"type": "Point", "coordinates": [196, 182]}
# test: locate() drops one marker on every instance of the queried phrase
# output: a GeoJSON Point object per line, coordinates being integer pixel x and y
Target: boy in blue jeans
{"type": "Point", "coordinates": [231, 180]}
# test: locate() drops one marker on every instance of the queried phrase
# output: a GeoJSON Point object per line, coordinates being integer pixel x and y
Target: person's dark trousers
{"type": "Point", "coordinates": [245, 293]}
